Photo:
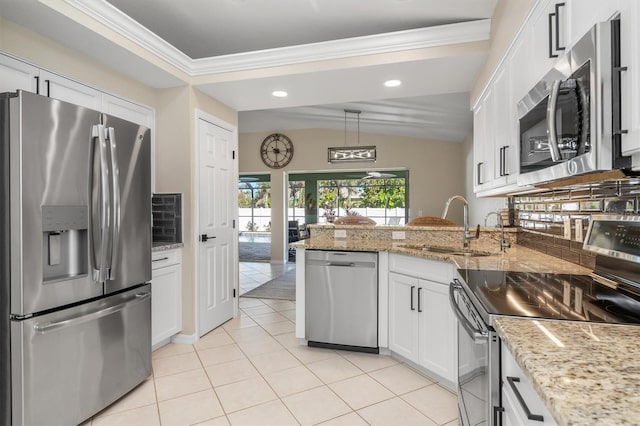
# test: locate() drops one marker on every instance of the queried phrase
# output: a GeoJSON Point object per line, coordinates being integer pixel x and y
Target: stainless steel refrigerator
{"type": "Point", "coordinates": [75, 260]}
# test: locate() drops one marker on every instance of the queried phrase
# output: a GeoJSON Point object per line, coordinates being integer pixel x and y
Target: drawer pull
{"type": "Point", "coordinates": [160, 260]}
{"type": "Point", "coordinates": [534, 417]}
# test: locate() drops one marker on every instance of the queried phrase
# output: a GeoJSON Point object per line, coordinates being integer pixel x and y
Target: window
{"type": "Point", "coordinates": [296, 203]}
{"type": "Point", "coordinates": [254, 203]}
{"type": "Point", "coordinates": [383, 200]}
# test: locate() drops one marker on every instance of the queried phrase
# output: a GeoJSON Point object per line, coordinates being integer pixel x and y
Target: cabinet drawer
{"type": "Point", "coordinates": [514, 410]}
{"type": "Point", "coordinates": [160, 259]}
{"type": "Point", "coordinates": [433, 270]}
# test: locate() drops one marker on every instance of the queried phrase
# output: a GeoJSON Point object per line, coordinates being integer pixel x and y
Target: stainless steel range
{"type": "Point", "coordinates": [611, 294]}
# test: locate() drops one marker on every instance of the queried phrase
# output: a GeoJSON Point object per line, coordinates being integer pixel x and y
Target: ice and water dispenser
{"type": "Point", "coordinates": [64, 242]}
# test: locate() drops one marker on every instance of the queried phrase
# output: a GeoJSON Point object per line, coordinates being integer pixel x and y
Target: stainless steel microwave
{"type": "Point", "coordinates": [567, 120]}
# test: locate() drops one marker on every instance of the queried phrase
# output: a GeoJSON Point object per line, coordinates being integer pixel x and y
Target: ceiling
{"type": "Point", "coordinates": [223, 27]}
{"type": "Point", "coordinates": [329, 55]}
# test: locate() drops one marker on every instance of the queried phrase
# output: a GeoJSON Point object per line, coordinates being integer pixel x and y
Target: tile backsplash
{"type": "Point", "coordinates": [555, 222]}
{"type": "Point", "coordinates": [167, 218]}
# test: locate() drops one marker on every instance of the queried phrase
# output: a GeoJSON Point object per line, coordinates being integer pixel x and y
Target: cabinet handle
{"type": "Point", "coordinates": [412, 287]}
{"type": "Point", "coordinates": [478, 177]}
{"type": "Point", "coordinates": [37, 84]}
{"type": "Point", "coordinates": [551, 19]}
{"type": "Point", "coordinates": [502, 161]}
{"type": "Point", "coordinates": [48, 82]}
{"type": "Point", "coordinates": [504, 155]}
{"type": "Point", "coordinates": [419, 307]}
{"type": "Point", "coordinates": [534, 417]}
{"type": "Point", "coordinates": [558, 47]}
{"type": "Point", "coordinates": [160, 260]}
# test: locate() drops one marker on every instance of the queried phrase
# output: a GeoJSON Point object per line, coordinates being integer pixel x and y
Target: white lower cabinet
{"type": "Point", "coordinates": [522, 405]}
{"type": "Point", "coordinates": [166, 296]}
{"type": "Point", "coordinates": [422, 325]}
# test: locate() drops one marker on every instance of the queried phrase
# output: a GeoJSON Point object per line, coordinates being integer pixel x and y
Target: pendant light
{"type": "Point", "coordinates": [354, 153]}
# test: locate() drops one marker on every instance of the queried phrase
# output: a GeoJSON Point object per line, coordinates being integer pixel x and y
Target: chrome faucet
{"type": "Point", "coordinates": [504, 244]}
{"type": "Point", "coordinates": [467, 235]}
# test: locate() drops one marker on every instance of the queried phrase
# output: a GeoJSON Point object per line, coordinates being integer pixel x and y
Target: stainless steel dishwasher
{"type": "Point", "coordinates": [341, 300]}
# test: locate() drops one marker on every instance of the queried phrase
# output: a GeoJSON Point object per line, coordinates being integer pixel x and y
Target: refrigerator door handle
{"type": "Point", "coordinates": [115, 179]}
{"type": "Point", "coordinates": [99, 266]}
{"type": "Point", "coordinates": [85, 317]}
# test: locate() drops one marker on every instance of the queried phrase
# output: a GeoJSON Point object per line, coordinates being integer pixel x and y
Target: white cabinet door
{"type": "Point", "coordinates": [17, 75]}
{"type": "Point", "coordinates": [514, 383]}
{"type": "Point", "coordinates": [127, 110]}
{"type": "Point", "coordinates": [630, 79]}
{"type": "Point", "coordinates": [549, 36]}
{"type": "Point", "coordinates": [502, 116]}
{"type": "Point", "coordinates": [403, 321]}
{"type": "Point", "coordinates": [584, 14]}
{"type": "Point", "coordinates": [438, 329]}
{"type": "Point", "coordinates": [483, 143]}
{"type": "Point", "coordinates": [166, 297]}
{"type": "Point", "coordinates": [62, 88]}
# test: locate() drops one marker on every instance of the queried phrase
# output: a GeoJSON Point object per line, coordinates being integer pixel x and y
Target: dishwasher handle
{"type": "Point", "coordinates": [344, 264]}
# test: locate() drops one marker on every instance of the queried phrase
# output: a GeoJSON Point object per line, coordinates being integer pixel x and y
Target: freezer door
{"type": "Point", "coordinates": [130, 156]}
{"type": "Point", "coordinates": [68, 365]}
{"type": "Point", "coordinates": [48, 142]}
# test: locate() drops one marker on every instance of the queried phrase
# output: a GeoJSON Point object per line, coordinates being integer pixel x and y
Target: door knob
{"type": "Point", "coordinates": [205, 237]}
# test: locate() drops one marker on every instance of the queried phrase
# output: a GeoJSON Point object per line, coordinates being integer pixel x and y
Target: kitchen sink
{"type": "Point", "coordinates": [448, 250]}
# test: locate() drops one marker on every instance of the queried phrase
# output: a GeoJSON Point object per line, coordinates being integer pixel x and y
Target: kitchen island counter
{"type": "Point", "coordinates": [516, 258]}
{"type": "Point", "coordinates": [586, 373]}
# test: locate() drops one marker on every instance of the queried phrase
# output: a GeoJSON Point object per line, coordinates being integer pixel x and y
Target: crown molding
{"type": "Point", "coordinates": [356, 46]}
{"type": "Point", "coordinates": [442, 35]}
{"type": "Point", "coordinates": [123, 24]}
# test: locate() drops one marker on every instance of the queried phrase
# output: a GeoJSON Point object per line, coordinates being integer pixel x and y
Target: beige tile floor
{"type": "Point", "coordinates": [254, 274]}
{"type": "Point", "coordinates": [253, 371]}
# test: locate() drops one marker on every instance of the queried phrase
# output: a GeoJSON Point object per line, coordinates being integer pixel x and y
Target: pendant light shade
{"type": "Point", "coordinates": [355, 153]}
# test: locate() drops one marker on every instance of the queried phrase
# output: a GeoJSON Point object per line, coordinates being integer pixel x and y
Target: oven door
{"type": "Point", "coordinates": [478, 364]}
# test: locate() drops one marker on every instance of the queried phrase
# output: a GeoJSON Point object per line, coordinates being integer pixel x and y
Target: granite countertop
{"type": "Point", "coordinates": [590, 375]}
{"type": "Point", "coordinates": [516, 258]}
{"type": "Point", "coordinates": [161, 246]}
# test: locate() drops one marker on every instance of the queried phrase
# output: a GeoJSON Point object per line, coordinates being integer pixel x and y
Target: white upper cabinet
{"type": "Point", "coordinates": [548, 37]}
{"type": "Point", "coordinates": [505, 141]}
{"type": "Point", "coordinates": [583, 14]}
{"type": "Point", "coordinates": [127, 110]}
{"type": "Point", "coordinates": [630, 79]}
{"type": "Point", "coordinates": [17, 75]}
{"type": "Point", "coordinates": [551, 28]}
{"type": "Point", "coordinates": [64, 89]}
{"type": "Point", "coordinates": [482, 144]}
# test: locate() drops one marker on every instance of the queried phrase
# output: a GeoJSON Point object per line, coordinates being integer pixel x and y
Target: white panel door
{"type": "Point", "coordinates": [216, 248]}
{"type": "Point", "coordinates": [16, 75]}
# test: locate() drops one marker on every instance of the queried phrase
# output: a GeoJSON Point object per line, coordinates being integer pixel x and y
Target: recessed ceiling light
{"type": "Point", "coordinates": [279, 93]}
{"type": "Point", "coordinates": [392, 83]}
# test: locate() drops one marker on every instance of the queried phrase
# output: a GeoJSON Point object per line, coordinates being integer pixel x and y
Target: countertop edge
{"type": "Point", "coordinates": [165, 246]}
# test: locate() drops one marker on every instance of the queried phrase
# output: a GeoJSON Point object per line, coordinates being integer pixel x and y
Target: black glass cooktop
{"type": "Point", "coordinates": [552, 296]}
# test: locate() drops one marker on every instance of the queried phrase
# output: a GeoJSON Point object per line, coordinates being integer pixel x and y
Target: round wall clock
{"type": "Point", "coordinates": [276, 151]}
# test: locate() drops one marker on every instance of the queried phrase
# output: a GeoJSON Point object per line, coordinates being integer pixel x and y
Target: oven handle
{"type": "Point", "coordinates": [552, 135]}
{"type": "Point", "coordinates": [478, 336]}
